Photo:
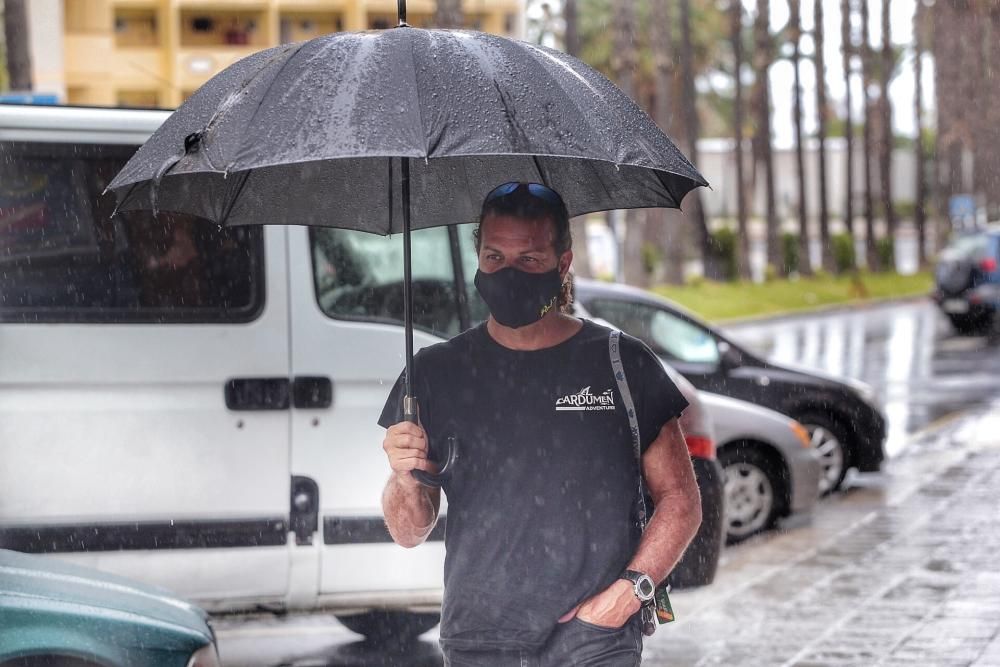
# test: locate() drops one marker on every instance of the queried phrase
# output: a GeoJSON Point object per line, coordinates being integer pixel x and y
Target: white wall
{"type": "Point", "coordinates": [717, 164]}
{"type": "Point", "coordinates": [45, 21]}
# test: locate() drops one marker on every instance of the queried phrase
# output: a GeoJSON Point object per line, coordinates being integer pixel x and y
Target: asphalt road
{"type": "Point", "coordinates": [924, 376]}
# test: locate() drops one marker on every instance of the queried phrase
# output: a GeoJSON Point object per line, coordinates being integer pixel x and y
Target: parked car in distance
{"type": "Point", "coordinates": [845, 424]}
{"type": "Point", "coordinates": [967, 281]}
{"type": "Point", "coordinates": [55, 614]}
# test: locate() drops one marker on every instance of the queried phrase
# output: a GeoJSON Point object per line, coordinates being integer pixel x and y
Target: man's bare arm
{"type": "Point", "coordinates": [677, 515]}
{"type": "Point", "coordinates": [671, 483]}
{"type": "Point", "coordinates": [410, 508]}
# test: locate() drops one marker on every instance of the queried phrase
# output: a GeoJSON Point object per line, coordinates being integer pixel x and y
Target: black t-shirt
{"type": "Point", "coordinates": [542, 495]}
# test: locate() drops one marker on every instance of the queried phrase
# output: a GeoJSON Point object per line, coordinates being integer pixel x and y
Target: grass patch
{"type": "Point", "coordinates": [724, 301]}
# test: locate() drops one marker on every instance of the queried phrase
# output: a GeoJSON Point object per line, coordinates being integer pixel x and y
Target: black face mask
{"type": "Point", "coordinates": [518, 298]}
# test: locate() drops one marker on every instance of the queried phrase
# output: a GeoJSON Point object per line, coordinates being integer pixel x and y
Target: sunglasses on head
{"type": "Point", "coordinates": [538, 190]}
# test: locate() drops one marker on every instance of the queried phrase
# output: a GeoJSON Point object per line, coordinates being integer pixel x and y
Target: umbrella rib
{"type": "Point", "coordinates": [416, 93]}
{"type": "Point", "coordinates": [244, 176]}
{"type": "Point", "coordinates": [260, 98]}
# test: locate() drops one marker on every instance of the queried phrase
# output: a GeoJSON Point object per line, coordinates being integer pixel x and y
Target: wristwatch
{"type": "Point", "coordinates": [642, 584]}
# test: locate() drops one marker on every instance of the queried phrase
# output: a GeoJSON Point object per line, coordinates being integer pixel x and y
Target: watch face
{"type": "Point", "coordinates": [645, 588]}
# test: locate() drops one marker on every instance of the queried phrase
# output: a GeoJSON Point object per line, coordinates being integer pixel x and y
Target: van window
{"type": "Point", "coordinates": [359, 276]}
{"type": "Point", "coordinates": [63, 258]}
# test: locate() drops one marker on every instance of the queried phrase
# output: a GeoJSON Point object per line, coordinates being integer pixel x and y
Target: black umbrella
{"type": "Point", "coordinates": [392, 130]}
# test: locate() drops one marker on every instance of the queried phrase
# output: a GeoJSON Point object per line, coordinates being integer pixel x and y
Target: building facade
{"type": "Point", "coordinates": [155, 53]}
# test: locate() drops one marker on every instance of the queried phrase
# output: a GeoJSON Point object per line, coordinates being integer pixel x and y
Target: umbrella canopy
{"type": "Point", "coordinates": [314, 133]}
{"type": "Point", "coordinates": [388, 131]}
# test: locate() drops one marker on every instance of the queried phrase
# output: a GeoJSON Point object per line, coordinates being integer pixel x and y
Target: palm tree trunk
{"type": "Point", "coordinates": [690, 114]}
{"type": "Point", "coordinates": [15, 14]}
{"type": "Point", "coordinates": [871, 253]}
{"type": "Point", "coordinates": [736, 10]}
{"type": "Point", "coordinates": [763, 156]}
{"type": "Point", "coordinates": [448, 14]}
{"type": "Point", "coordinates": [846, 47]}
{"type": "Point", "coordinates": [885, 106]}
{"type": "Point", "coordinates": [919, 212]}
{"type": "Point", "coordinates": [623, 63]}
{"type": "Point", "coordinates": [822, 113]}
{"type": "Point", "coordinates": [572, 37]}
{"type": "Point", "coordinates": [669, 238]}
{"type": "Point", "coordinates": [578, 225]}
{"type": "Point", "coordinates": [804, 268]}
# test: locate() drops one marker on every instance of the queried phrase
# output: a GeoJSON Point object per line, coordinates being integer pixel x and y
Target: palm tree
{"type": "Point", "coordinates": [871, 253]}
{"type": "Point", "coordinates": [448, 14]}
{"type": "Point", "coordinates": [885, 107]}
{"type": "Point", "coordinates": [736, 36]}
{"type": "Point", "coordinates": [571, 39]}
{"type": "Point", "coordinates": [623, 63]}
{"type": "Point", "coordinates": [822, 113]}
{"type": "Point", "coordinates": [763, 56]}
{"type": "Point", "coordinates": [15, 15]}
{"type": "Point", "coordinates": [578, 226]}
{"type": "Point", "coordinates": [847, 50]}
{"type": "Point", "coordinates": [670, 237]}
{"type": "Point", "coordinates": [795, 21]}
{"type": "Point", "coordinates": [919, 213]}
{"type": "Point", "coordinates": [690, 118]}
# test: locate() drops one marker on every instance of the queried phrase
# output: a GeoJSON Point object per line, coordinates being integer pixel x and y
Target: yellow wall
{"type": "Point", "coordinates": [142, 52]}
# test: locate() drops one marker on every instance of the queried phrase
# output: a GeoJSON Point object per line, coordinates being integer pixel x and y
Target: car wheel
{"type": "Point", "coordinates": [969, 325]}
{"type": "Point", "coordinates": [396, 627]}
{"type": "Point", "coordinates": [753, 489]}
{"type": "Point", "coordinates": [829, 441]}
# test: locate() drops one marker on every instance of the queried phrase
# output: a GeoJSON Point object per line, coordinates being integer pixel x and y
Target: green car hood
{"type": "Point", "coordinates": [50, 582]}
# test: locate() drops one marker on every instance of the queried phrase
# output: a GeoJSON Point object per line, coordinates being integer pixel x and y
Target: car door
{"type": "Point", "coordinates": [144, 422]}
{"type": "Point", "coordinates": [346, 296]}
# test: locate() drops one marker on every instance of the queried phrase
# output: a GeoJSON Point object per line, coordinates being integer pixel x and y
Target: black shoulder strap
{"type": "Point", "coordinates": [614, 349]}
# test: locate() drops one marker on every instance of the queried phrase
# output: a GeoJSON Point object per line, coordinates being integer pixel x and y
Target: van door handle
{"type": "Point", "coordinates": [257, 394]}
{"type": "Point", "coordinates": [312, 391]}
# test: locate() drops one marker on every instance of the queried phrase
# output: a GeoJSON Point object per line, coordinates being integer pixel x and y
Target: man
{"type": "Point", "coordinates": [543, 547]}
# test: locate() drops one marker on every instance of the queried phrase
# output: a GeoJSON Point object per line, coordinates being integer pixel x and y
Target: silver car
{"type": "Point", "coordinates": [771, 469]}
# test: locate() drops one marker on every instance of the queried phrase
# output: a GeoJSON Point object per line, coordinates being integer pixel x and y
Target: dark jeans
{"type": "Point", "coordinates": [575, 643]}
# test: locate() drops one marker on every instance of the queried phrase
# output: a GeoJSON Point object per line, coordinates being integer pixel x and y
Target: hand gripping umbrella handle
{"type": "Point", "coordinates": [426, 478]}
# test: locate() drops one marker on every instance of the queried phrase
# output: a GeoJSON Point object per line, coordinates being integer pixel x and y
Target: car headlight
{"type": "Point", "coordinates": [801, 434]}
{"type": "Point", "coordinates": [206, 656]}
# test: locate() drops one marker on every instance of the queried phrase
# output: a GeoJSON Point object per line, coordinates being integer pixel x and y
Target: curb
{"type": "Point", "coordinates": [822, 310]}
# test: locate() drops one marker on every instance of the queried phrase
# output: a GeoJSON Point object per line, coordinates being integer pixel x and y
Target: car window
{"type": "Point", "coordinates": [358, 275]}
{"type": "Point", "coordinates": [64, 258]}
{"type": "Point", "coordinates": [668, 335]}
{"type": "Point", "coordinates": [971, 247]}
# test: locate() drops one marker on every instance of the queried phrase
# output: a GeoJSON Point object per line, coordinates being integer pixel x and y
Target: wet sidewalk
{"type": "Point", "coordinates": [905, 570]}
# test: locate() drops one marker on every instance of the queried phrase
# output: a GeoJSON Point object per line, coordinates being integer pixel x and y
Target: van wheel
{"type": "Point", "coordinates": [398, 627]}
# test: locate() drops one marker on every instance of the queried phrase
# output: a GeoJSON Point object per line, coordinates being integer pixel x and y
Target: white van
{"type": "Point", "coordinates": [196, 407]}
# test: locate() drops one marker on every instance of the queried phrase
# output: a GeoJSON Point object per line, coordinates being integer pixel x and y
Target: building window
{"type": "Point", "coordinates": [135, 28]}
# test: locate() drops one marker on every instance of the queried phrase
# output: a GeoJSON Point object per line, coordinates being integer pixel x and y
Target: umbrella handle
{"type": "Point", "coordinates": [437, 479]}
{"type": "Point", "coordinates": [410, 411]}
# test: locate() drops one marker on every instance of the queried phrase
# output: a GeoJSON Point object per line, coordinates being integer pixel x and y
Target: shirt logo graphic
{"type": "Point", "coordinates": [584, 400]}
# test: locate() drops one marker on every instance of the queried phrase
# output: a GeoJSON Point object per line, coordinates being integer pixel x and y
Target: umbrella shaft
{"type": "Point", "coordinates": [407, 278]}
{"type": "Point", "coordinates": [401, 11]}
